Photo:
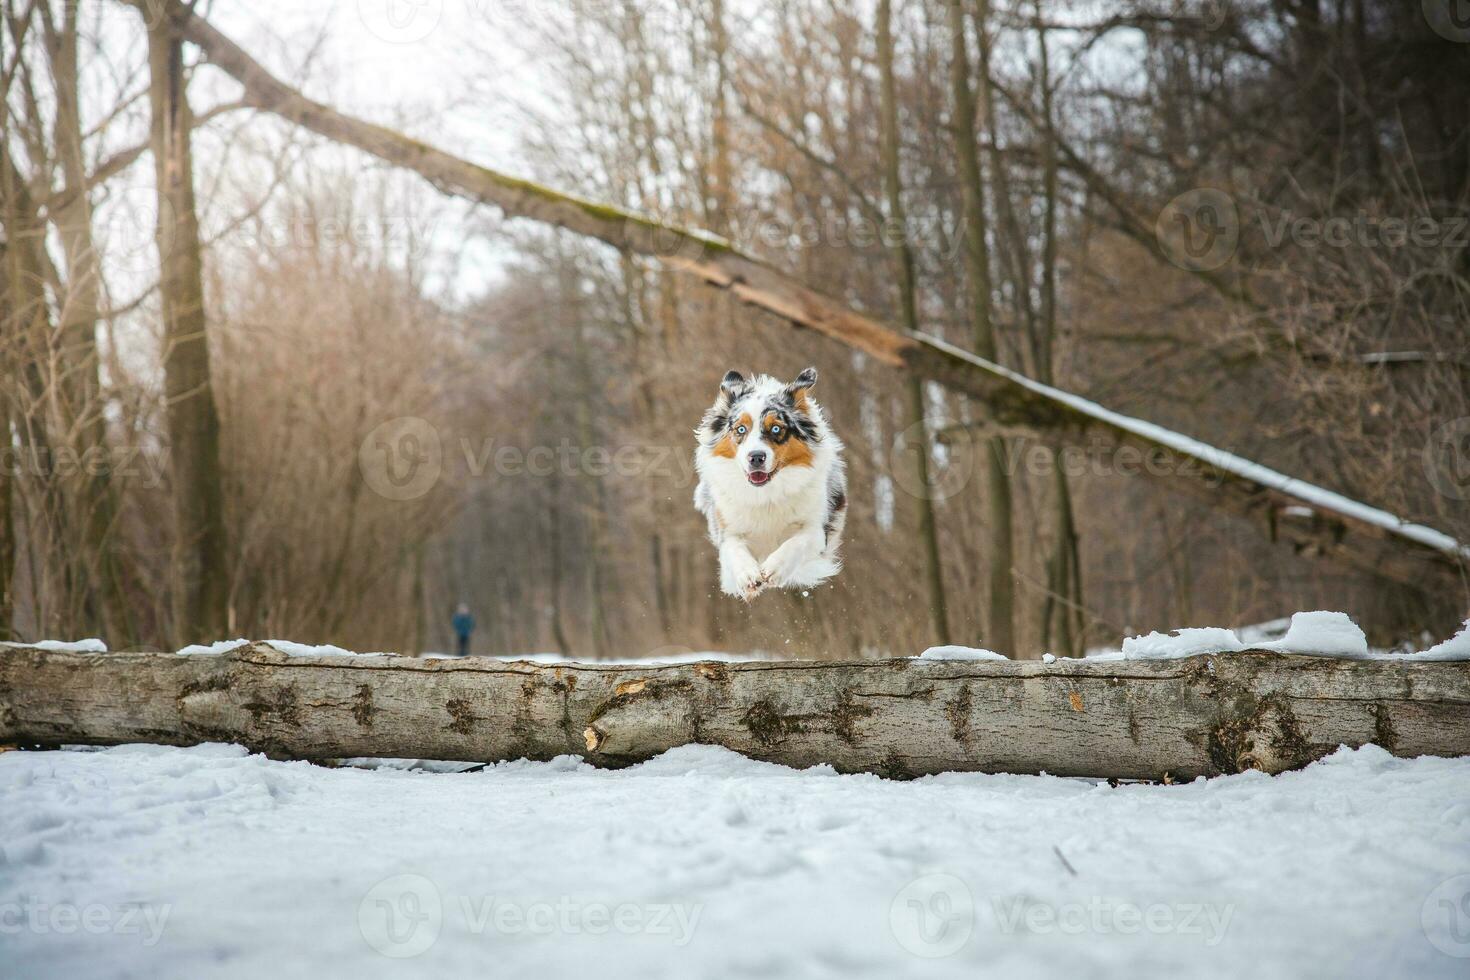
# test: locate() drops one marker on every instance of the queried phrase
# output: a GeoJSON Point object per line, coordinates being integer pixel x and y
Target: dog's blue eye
{"type": "Point", "coordinates": [775, 430]}
{"type": "Point", "coordinates": [740, 430]}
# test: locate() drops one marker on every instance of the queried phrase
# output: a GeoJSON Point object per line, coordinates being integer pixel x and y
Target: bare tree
{"type": "Point", "coordinates": [201, 586]}
{"type": "Point", "coordinates": [1001, 622]}
{"type": "Point", "coordinates": [921, 449]}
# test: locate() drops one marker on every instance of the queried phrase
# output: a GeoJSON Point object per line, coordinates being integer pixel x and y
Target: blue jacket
{"type": "Point", "coordinates": [464, 624]}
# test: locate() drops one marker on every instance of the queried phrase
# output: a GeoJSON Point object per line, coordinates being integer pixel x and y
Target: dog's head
{"type": "Point", "coordinates": [764, 425]}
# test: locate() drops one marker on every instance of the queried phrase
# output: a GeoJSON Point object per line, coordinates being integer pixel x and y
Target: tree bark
{"type": "Point", "coordinates": [1337, 531]}
{"type": "Point", "coordinates": [903, 258]}
{"type": "Point", "coordinates": [1001, 553]}
{"type": "Point", "coordinates": [7, 479]}
{"type": "Point", "coordinates": [201, 590]}
{"type": "Point", "coordinates": [82, 387]}
{"type": "Point", "coordinates": [1064, 600]}
{"type": "Point", "coordinates": [1203, 716]}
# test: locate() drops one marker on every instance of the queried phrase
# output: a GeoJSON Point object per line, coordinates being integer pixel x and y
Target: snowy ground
{"type": "Point", "coordinates": [148, 861]}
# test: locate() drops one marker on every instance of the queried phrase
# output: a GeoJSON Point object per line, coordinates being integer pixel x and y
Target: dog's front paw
{"type": "Point", "coordinates": [788, 566]}
{"type": "Point", "coordinates": [742, 577]}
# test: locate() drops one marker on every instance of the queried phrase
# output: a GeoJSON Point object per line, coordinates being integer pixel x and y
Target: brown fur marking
{"type": "Point", "coordinates": [793, 452]}
{"type": "Point", "coordinates": [726, 447]}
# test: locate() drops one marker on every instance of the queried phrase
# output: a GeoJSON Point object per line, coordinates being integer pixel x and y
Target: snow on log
{"type": "Point", "coordinates": [1199, 716]}
{"type": "Point", "coordinates": [1316, 521]}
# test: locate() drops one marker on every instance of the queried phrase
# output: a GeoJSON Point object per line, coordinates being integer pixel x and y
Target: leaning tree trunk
{"type": "Point", "coordinates": [201, 589]}
{"type": "Point", "coordinates": [1178, 719]}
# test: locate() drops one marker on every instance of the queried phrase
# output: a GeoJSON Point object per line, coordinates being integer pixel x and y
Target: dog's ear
{"type": "Point", "coordinates": [796, 390]}
{"type": "Point", "coordinates": [733, 385]}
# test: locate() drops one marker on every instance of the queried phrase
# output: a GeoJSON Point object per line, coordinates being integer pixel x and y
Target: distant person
{"type": "Point", "coordinates": [464, 625]}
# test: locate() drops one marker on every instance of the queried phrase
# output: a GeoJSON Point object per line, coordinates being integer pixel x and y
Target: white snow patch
{"type": "Point", "coordinates": [212, 649]}
{"type": "Point", "coordinates": [1181, 643]}
{"type": "Point", "coordinates": [1456, 647]}
{"type": "Point", "coordinates": [229, 865]}
{"type": "Point", "coordinates": [1048, 658]}
{"type": "Point", "coordinates": [64, 646]}
{"type": "Point", "coordinates": [1326, 634]}
{"type": "Point", "coordinates": [960, 653]}
{"type": "Point", "coordinates": [293, 649]}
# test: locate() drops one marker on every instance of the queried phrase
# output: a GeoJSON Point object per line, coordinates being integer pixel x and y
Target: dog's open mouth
{"type": "Point", "coordinates": [758, 478]}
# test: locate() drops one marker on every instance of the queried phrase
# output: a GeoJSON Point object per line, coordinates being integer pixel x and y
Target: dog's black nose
{"type": "Point", "coordinates": [758, 459]}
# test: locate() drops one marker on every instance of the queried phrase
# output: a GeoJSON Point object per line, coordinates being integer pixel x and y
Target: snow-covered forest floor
{"type": "Point", "coordinates": [150, 861]}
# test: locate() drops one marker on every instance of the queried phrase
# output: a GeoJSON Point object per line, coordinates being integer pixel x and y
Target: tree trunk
{"type": "Point", "coordinates": [82, 387]}
{"type": "Point", "coordinates": [28, 342]}
{"type": "Point", "coordinates": [1320, 524]}
{"type": "Point", "coordinates": [7, 477]}
{"type": "Point", "coordinates": [903, 257]}
{"type": "Point", "coordinates": [200, 572]}
{"type": "Point", "coordinates": [1202, 716]}
{"type": "Point", "coordinates": [1002, 634]}
{"type": "Point", "coordinates": [1065, 598]}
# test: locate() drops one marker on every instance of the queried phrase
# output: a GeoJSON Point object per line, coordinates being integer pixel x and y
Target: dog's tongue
{"type": "Point", "coordinates": [758, 478]}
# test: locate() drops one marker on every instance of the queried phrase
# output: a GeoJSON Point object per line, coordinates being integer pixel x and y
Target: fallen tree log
{"type": "Point", "coordinates": [1316, 522]}
{"type": "Point", "coordinates": [1201, 716]}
